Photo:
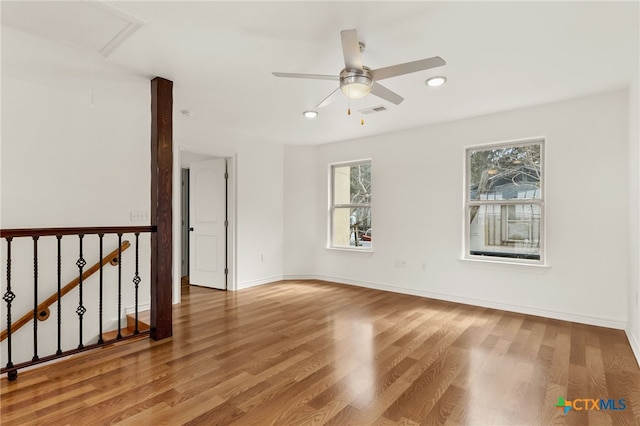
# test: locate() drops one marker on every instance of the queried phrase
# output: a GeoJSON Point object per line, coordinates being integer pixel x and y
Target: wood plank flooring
{"type": "Point", "coordinates": [316, 353]}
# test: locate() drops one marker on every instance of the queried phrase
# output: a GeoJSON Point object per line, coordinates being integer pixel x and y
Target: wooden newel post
{"type": "Point", "coordinates": [161, 204]}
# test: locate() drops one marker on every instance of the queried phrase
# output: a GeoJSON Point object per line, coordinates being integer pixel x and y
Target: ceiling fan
{"type": "Point", "coordinates": [357, 80]}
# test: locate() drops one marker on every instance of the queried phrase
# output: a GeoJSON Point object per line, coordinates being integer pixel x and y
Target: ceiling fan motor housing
{"type": "Point", "coordinates": [356, 84]}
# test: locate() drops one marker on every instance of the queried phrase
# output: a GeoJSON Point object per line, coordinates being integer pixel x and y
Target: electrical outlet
{"type": "Point", "coordinates": [401, 263]}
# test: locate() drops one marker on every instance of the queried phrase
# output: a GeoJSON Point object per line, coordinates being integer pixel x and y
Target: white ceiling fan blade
{"type": "Point", "coordinates": [327, 100]}
{"type": "Point", "coordinates": [407, 68]}
{"type": "Point", "coordinates": [310, 76]}
{"type": "Point", "coordinates": [351, 50]}
{"type": "Point", "coordinates": [384, 93]}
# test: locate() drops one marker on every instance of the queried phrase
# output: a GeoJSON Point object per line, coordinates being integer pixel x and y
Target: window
{"type": "Point", "coordinates": [350, 205]}
{"type": "Point", "coordinates": [504, 202]}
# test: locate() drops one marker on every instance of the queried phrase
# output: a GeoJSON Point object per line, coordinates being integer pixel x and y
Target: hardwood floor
{"type": "Point", "coordinates": [312, 353]}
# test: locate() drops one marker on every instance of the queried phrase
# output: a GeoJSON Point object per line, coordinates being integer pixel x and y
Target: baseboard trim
{"type": "Point", "coordinates": [582, 319]}
{"type": "Point", "coordinates": [141, 308]}
{"type": "Point", "coordinates": [300, 277]}
{"type": "Point", "coordinates": [563, 316]}
{"type": "Point", "coordinates": [254, 283]}
{"type": "Point", "coordinates": [635, 345]}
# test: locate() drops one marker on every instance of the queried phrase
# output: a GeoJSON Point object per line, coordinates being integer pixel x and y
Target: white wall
{"type": "Point", "coordinates": [258, 190]}
{"type": "Point", "coordinates": [417, 213]}
{"type": "Point", "coordinates": [62, 158]}
{"type": "Point", "coordinates": [260, 212]}
{"type": "Point", "coordinates": [301, 211]}
{"type": "Point", "coordinates": [633, 326]}
{"type": "Point", "coordinates": [66, 163]}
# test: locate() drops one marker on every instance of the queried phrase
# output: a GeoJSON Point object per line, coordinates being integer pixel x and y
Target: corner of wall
{"type": "Point", "coordinates": [635, 345]}
{"type": "Point", "coordinates": [633, 316]}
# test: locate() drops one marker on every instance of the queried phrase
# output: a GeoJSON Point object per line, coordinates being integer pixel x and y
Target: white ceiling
{"type": "Point", "coordinates": [500, 56]}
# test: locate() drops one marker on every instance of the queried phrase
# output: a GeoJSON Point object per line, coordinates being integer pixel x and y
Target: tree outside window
{"type": "Point", "coordinates": [350, 215]}
{"type": "Point", "coordinates": [504, 201]}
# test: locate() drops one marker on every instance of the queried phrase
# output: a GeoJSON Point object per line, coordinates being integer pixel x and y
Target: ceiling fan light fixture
{"type": "Point", "coordinates": [436, 81]}
{"type": "Point", "coordinates": [355, 85]}
{"type": "Point", "coordinates": [310, 114]}
{"type": "Point", "coordinates": [355, 90]}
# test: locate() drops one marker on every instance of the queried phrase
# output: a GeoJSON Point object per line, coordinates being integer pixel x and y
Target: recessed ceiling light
{"type": "Point", "coordinates": [310, 114]}
{"type": "Point", "coordinates": [436, 81]}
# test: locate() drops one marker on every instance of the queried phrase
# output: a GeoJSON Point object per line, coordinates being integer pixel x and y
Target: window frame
{"type": "Point", "coordinates": [468, 203]}
{"type": "Point", "coordinates": [333, 206]}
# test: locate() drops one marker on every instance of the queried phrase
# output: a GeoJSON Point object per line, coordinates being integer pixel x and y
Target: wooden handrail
{"type": "Point", "coordinates": [66, 289]}
{"type": "Point", "coordinates": [41, 232]}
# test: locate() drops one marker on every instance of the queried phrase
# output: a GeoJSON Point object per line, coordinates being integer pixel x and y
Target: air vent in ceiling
{"type": "Point", "coordinates": [88, 25]}
{"type": "Point", "coordinates": [373, 110]}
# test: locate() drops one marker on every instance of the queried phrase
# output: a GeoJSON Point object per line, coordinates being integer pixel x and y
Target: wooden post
{"type": "Point", "coordinates": [161, 205]}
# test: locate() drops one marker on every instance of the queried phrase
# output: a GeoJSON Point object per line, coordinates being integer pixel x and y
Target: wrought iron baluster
{"type": "Point", "coordinates": [59, 351]}
{"type": "Point", "coordinates": [35, 298]}
{"type": "Point", "coordinates": [136, 282]}
{"type": "Point", "coordinates": [41, 308]}
{"type": "Point", "coordinates": [100, 236]}
{"type": "Point", "coordinates": [8, 297]}
{"type": "Point", "coordinates": [119, 286]}
{"type": "Point", "coordinates": [81, 310]}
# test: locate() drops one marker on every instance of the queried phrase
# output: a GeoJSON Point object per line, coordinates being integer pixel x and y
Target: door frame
{"type": "Point", "coordinates": [231, 157]}
{"type": "Point", "coordinates": [184, 225]}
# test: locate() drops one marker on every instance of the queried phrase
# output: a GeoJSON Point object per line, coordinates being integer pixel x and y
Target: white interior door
{"type": "Point", "coordinates": [207, 207]}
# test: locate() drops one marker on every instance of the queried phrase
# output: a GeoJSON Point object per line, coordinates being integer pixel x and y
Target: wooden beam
{"type": "Point", "coordinates": [161, 205]}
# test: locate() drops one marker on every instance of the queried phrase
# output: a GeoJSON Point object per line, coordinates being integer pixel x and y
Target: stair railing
{"type": "Point", "coordinates": [38, 308]}
{"type": "Point", "coordinates": [42, 313]}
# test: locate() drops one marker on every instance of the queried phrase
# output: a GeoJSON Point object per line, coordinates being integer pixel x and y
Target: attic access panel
{"type": "Point", "coordinates": [96, 27]}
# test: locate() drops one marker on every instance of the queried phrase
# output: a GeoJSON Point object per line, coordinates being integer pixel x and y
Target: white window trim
{"type": "Point", "coordinates": [331, 206]}
{"type": "Point", "coordinates": [542, 262]}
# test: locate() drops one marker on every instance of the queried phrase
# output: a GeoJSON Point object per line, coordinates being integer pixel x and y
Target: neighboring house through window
{"type": "Point", "coordinates": [504, 202]}
{"type": "Point", "coordinates": [350, 205]}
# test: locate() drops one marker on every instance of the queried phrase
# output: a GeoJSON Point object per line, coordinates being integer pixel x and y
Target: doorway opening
{"type": "Point", "coordinates": [204, 221]}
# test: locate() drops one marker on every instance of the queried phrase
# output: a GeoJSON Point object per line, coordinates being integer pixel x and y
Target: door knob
{"type": "Point", "coordinates": [191, 229]}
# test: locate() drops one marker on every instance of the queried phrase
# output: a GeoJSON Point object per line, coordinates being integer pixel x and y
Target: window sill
{"type": "Point", "coordinates": [355, 250]}
{"type": "Point", "coordinates": [506, 262]}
